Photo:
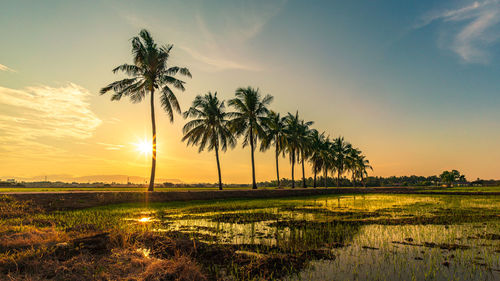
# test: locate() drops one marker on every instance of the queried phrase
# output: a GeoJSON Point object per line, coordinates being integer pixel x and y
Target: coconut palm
{"type": "Point", "coordinates": [316, 147]}
{"type": "Point", "coordinates": [361, 167]}
{"type": "Point", "coordinates": [274, 134]}
{"type": "Point", "coordinates": [248, 118]}
{"type": "Point", "coordinates": [209, 128]}
{"type": "Point", "coordinates": [353, 155]}
{"type": "Point", "coordinates": [292, 140]}
{"type": "Point", "coordinates": [150, 72]}
{"type": "Point", "coordinates": [304, 145]}
{"type": "Point", "coordinates": [341, 149]}
{"type": "Point", "coordinates": [327, 156]}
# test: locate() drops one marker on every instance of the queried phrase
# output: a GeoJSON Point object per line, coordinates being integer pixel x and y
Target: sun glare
{"type": "Point", "coordinates": [144, 219]}
{"type": "Point", "coordinates": [143, 146]}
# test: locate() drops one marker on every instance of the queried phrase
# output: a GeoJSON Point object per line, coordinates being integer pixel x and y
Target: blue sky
{"type": "Point", "coordinates": [411, 83]}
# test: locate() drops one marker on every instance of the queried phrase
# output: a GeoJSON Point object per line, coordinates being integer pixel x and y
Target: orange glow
{"type": "Point", "coordinates": [144, 146]}
{"type": "Point", "coordinates": [145, 219]}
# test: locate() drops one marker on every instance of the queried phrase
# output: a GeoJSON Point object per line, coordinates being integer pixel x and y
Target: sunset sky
{"type": "Point", "coordinates": [413, 84]}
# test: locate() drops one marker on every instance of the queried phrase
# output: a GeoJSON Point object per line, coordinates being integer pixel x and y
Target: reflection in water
{"type": "Point", "coordinates": [145, 219]}
{"type": "Point", "coordinates": [419, 248]}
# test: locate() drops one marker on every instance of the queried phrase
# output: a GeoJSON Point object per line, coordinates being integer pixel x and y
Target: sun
{"type": "Point", "coordinates": [143, 146]}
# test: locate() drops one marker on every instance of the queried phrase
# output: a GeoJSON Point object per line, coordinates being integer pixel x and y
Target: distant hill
{"type": "Point", "coordinates": [92, 178]}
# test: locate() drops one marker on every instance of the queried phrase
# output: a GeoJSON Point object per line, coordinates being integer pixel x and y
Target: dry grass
{"type": "Point", "coordinates": [32, 250]}
{"type": "Point", "coordinates": [180, 268]}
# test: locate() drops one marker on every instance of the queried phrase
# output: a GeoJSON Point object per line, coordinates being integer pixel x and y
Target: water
{"type": "Point", "coordinates": [373, 237]}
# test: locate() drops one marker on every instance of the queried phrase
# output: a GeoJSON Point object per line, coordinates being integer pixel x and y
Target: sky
{"type": "Point", "coordinates": [413, 84]}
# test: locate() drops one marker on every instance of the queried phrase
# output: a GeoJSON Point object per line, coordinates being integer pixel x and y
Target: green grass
{"type": "Point", "coordinates": [136, 189]}
{"type": "Point", "coordinates": [378, 236]}
{"type": "Point", "coordinates": [164, 189]}
{"type": "Point", "coordinates": [465, 189]}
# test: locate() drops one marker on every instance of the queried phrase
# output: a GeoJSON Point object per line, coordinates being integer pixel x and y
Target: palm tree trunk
{"type": "Point", "coordinates": [293, 165]}
{"type": "Point", "coordinates": [314, 177]}
{"type": "Point", "coordinates": [277, 167]}
{"type": "Point", "coordinates": [153, 164]}
{"type": "Point", "coordinates": [218, 165]}
{"type": "Point", "coordinates": [303, 172]}
{"type": "Point", "coordinates": [325, 175]}
{"type": "Point", "coordinates": [338, 178]}
{"type": "Point", "coordinates": [254, 185]}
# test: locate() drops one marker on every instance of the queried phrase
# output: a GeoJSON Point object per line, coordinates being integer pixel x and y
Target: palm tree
{"type": "Point", "coordinates": [304, 141]}
{"type": "Point", "coordinates": [341, 149]}
{"type": "Point", "coordinates": [362, 165]}
{"type": "Point", "coordinates": [327, 157]}
{"type": "Point", "coordinates": [209, 128]}
{"type": "Point", "coordinates": [351, 163]}
{"type": "Point", "coordinates": [316, 147]}
{"type": "Point", "coordinates": [274, 134]}
{"type": "Point", "coordinates": [292, 135]}
{"type": "Point", "coordinates": [149, 73]}
{"type": "Point", "coordinates": [251, 111]}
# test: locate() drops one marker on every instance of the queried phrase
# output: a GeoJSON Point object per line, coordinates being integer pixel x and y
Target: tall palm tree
{"type": "Point", "coordinates": [327, 156]}
{"type": "Point", "coordinates": [351, 163]}
{"type": "Point", "coordinates": [274, 133]}
{"type": "Point", "coordinates": [293, 141]}
{"type": "Point", "coordinates": [341, 149]}
{"type": "Point", "coordinates": [304, 147]}
{"type": "Point", "coordinates": [248, 118]}
{"type": "Point", "coordinates": [362, 165]}
{"type": "Point", "coordinates": [149, 72]}
{"type": "Point", "coordinates": [209, 128]}
{"type": "Point", "coordinates": [316, 147]}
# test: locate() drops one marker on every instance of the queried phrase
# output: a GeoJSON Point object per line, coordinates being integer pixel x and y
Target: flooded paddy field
{"type": "Point", "coordinates": [348, 237]}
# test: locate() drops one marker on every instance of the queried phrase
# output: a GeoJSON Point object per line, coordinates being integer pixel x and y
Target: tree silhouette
{"type": "Point", "coordinates": [209, 128]}
{"type": "Point", "coordinates": [149, 72]}
{"type": "Point", "coordinates": [248, 118]}
{"type": "Point", "coordinates": [274, 133]}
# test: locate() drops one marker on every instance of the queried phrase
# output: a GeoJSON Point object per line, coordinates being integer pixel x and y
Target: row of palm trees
{"type": "Point", "coordinates": [214, 128]}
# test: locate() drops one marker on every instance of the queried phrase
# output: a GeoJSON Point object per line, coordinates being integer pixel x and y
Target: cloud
{"type": "Point", "coordinates": [34, 114]}
{"type": "Point", "coordinates": [468, 30]}
{"type": "Point", "coordinates": [226, 33]}
{"type": "Point", "coordinates": [109, 146]}
{"type": "Point", "coordinates": [5, 68]}
{"type": "Point", "coordinates": [217, 37]}
{"type": "Point", "coordinates": [218, 62]}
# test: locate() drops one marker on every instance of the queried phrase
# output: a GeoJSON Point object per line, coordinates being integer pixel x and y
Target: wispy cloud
{"type": "Point", "coordinates": [34, 114]}
{"type": "Point", "coordinates": [109, 146]}
{"type": "Point", "coordinates": [218, 38]}
{"type": "Point", "coordinates": [6, 68]}
{"type": "Point", "coordinates": [468, 30]}
{"type": "Point", "coordinates": [226, 33]}
{"type": "Point", "coordinates": [218, 62]}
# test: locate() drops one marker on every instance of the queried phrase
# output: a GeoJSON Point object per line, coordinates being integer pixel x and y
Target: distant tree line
{"type": "Point", "coordinates": [441, 180]}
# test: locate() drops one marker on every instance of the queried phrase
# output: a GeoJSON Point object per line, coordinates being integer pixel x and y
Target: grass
{"type": "Point", "coordinates": [365, 237]}
{"type": "Point", "coordinates": [167, 189]}
{"type": "Point", "coordinates": [136, 189]}
{"type": "Point", "coordinates": [466, 189]}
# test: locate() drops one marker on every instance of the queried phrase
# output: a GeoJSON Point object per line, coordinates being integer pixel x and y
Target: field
{"type": "Point", "coordinates": [166, 189]}
{"type": "Point", "coordinates": [335, 237]}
